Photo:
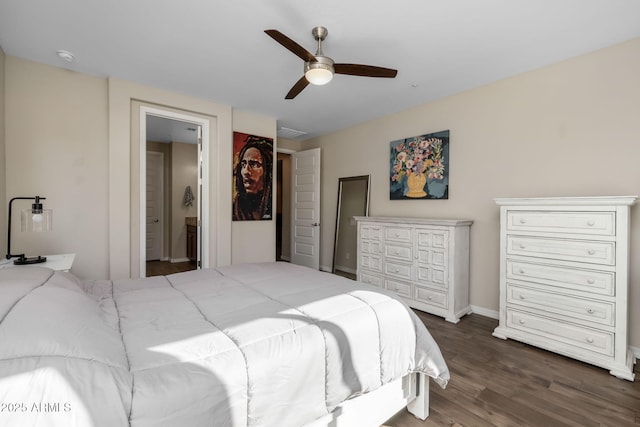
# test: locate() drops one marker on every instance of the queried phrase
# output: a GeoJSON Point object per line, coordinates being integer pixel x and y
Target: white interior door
{"type": "Point", "coordinates": [305, 208]}
{"type": "Point", "coordinates": [154, 205]}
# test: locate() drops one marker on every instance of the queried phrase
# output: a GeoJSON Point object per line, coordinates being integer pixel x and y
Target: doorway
{"type": "Point", "coordinates": [283, 207]}
{"type": "Point", "coordinates": [178, 223]}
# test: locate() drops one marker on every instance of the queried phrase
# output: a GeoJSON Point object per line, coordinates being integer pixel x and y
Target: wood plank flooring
{"type": "Point", "coordinates": [162, 268]}
{"type": "Point", "coordinates": [508, 383]}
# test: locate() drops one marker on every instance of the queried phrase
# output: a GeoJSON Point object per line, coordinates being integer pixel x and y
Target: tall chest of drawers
{"type": "Point", "coordinates": [425, 261]}
{"type": "Point", "coordinates": [564, 277]}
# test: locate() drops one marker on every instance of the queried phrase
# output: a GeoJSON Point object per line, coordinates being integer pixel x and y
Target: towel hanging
{"type": "Point", "coordinates": [187, 199]}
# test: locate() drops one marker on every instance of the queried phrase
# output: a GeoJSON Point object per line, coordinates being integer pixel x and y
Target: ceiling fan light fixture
{"type": "Point", "coordinates": [319, 73]}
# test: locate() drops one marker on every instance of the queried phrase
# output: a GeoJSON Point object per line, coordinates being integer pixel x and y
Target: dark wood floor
{"type": "Point", "coordinates": [162, 268]}
{"type": "Point", "coordinates": [507, 383]}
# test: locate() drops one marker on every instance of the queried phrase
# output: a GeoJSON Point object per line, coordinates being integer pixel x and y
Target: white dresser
{"type": "Point", "coordinates": [564, 277]}
{"type": "Point", "coordinates": [425, 261]}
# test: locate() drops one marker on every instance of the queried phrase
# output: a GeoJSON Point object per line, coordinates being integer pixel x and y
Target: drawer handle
{"type": "Point", "coordinates": [397, 234]}
{"type": "Point", "coordinates": [523, 221]}
{"type": "Point", "coordinates": [521, 271]}
{"type": "Point", "coordinates": [590, 340]}
{"type": "Point", "coordinates": [591, 252]}
{"type": "Point", "coordinates": [429, 297]}
{"type": "Point", "coordinates": [397, 270]}
{"type": "Point", "coordinates": [591, 281]}
{"type": "Point", "coordinates": [521, 321]}
{"type": "Point", "coordinates": [521, 296]}
{"type": "Point", "coordinates": [591, 223]}
{"type": "Point", "coordinates": [397, 252]}
{"type": "Point", "coordinates": [590, 310]}
{"type": "Point", "coordinates": [522, 246]}
{"type": "Point", "coordinates": [397, 288]}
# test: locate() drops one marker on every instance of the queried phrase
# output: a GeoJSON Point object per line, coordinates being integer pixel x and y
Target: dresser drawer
{"type": "Point", "coordinates": [371, 247]}
{"type": "Point", "coordinates": [432, 257]}
{"type": "Point", "coordinates": [370, 279]}
{"type": "Point", "coordinates": [432, 238]}
{"type": "Point", "coordinates": [401, 271]}
{"type": "Point", "coordinates": [568, 335]}
{"type": "Point", "coordinates": [370, 232]}
{"type": "Point", "coordinates": [429, 296]}
{"type": "Point", "coordinates": [397, 234]}
{"type": "Point", "coordinates": [370, 262]}
{"type": "Point", "coordinates": [400, 288]}
{"type": "Point", "coordinates": [433, 275]}
{"type": "Point", "coordinates": [563, 305]}
{"type": "Point", "coordinates": [596, 223]}
{"type": "Point", "coordinates": [591, 281]}
{"type": "Point", "coordinates": [567, 250]}
{"type": "Point", "coordinates": [402, 253]}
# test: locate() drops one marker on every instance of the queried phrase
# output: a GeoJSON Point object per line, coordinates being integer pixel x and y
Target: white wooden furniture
{"type": "Point", "coordinates": [564, 277]}
{"type": "Point", "coordinates": [425, 261]}
{"type": "Point", "coordinates": [61, 262]}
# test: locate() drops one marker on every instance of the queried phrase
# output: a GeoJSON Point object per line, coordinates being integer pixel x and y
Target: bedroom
{"type": "Point", "coordinates": [565, 129]}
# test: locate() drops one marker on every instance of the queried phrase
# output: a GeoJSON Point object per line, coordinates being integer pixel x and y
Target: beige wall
{"type": "Point", "coordinates": [56, 147]}
{"type": "Point", "coordinates": [184, 172]}
{"type": "Point", "coordinates": [69, 138]}
{"type": "Point", "coordinates": [288, 145]}
{"type": "Point", "coordinates": [3, 194]}
{"type": "Point", "coordinates": [570, 129]}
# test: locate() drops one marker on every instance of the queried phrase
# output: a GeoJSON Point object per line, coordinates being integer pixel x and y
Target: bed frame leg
{"type": "Point", "coordinates": [420, 405]}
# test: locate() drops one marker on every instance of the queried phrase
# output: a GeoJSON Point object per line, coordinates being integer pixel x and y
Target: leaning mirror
{"type": "Point", "coordinates": [353, 200]}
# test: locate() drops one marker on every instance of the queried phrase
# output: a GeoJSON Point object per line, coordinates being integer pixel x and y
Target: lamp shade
{"type": "Point", "coordinates": [319, 76]}
{"type": "Point", "coordinates": [36, 220]}
{"type": "Point", "coordinates": [319, 72]}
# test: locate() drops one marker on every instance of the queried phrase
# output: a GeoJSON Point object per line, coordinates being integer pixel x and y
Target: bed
{"type": "Point", "coordinates": [269, 344]}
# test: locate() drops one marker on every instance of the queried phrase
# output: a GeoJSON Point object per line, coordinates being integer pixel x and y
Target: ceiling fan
{"type": "Point", "coordinates": [319, 69]}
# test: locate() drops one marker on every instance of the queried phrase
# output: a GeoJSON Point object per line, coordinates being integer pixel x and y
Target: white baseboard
{"type": "Point", "coordinates": [174, 260]}
{"type": "Point", "coordinates": [326, 269]}
{"type": "Point", "coordinates": [485, 312]}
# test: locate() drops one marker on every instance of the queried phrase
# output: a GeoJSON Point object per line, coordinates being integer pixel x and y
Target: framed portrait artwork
{"type": "Point", "coordinates": [419, 167]}
{"type": "Point", "coordinates": [252, 177]}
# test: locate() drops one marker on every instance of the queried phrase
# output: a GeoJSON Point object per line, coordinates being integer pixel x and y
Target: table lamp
{"type": "Point", "coordinates": [35, 219]}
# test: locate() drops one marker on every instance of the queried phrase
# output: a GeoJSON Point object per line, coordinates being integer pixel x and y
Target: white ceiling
{"type": "Point", "coordinates": [217, 50]}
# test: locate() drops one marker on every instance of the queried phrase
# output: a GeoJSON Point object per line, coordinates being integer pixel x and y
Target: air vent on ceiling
{"type": "Point", "coordinates": [290, 133]}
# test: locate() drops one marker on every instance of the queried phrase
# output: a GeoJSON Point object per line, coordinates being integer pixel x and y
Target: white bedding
{"type": "Point", "coordinates": [270, 344]}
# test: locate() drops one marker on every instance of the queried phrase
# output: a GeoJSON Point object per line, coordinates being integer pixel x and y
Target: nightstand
{"type": "Point", "coordinates": [61, 262]}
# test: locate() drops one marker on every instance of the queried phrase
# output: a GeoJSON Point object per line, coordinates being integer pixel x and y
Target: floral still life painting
{"type": "Point", "coordinates": [420, 167]}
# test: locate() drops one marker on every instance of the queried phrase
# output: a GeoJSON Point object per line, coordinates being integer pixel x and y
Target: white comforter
{"type": "Point", "coordinates": [269, 344]}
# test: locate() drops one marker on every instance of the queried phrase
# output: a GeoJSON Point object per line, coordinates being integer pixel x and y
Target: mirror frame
{"type": "Point", "coordinates": [341, 181]}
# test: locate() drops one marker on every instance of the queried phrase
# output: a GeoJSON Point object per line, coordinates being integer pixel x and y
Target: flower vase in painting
{"type": "Point", "coordinates": [420, 167]}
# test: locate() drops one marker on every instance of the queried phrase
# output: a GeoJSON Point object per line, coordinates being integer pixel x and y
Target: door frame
{"type": "Point", "coordinates": [203, 180]}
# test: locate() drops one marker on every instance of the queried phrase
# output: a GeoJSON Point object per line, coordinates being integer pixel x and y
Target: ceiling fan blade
{"type": "Point", "coordinates": [297, 88]}
{"type": "Point", "coordinates": [364, 70]}
{"type": "Point", "coordinates": [294, 47]}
